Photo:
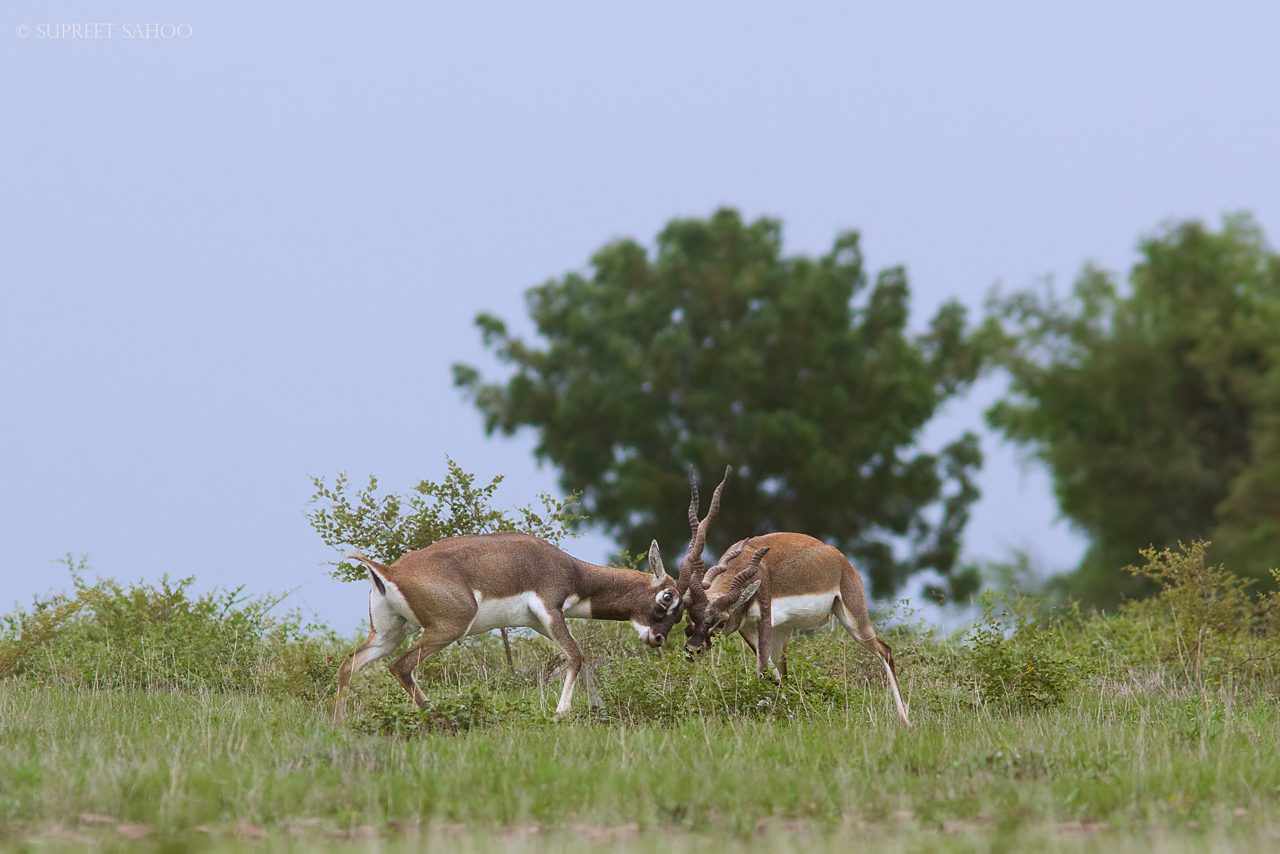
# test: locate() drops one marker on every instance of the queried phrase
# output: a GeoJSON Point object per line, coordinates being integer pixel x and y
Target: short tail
{"type": "Point", "coordinates": [375, 570]}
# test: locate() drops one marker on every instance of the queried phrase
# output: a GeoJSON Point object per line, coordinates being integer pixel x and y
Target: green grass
{"type": "Point", "coordinates": [1156, 769]}
{"type": "Point", "coordinates": [205, 722]}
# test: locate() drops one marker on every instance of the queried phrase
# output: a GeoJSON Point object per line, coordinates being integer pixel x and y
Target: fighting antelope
{"type": "Point", "coordinates": [804, 583]}
{"type": "Point", "coordinates": [467, 585]}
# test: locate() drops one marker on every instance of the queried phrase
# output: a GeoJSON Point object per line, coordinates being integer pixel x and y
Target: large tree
{"type": "Point", "coordinates": [1156, 406]}
{"type": "Point", "coordinates": [717, 348]}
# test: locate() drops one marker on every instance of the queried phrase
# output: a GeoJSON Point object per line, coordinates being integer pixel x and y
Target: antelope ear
{"type": "Point", "coordinates": [747, 593]}
{"type": "Point", "coordinates": [655, 561]}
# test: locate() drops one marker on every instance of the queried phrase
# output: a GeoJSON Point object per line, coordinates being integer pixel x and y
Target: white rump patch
{"type": "Point", "coordinates": [390, 607]}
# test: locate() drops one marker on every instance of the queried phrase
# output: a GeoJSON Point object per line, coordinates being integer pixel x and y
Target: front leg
{"type": "Point", "coordinates": [764, 635]}
{"type": "Point", "coordinates": [556, 628]}
{"type": "Point", "coordinates": [778, 651]}
{"type": "Point", "coordinates": [748, 634]}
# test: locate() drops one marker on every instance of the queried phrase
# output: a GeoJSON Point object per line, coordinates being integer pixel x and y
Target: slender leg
{"type": "Point", "coordinates": [588, 673]}
{"type": "Point", "coordinates": [748, 634]}
{"type": "Point", "coordinates": [764, 631]}
{"type": "Point", "coordinates": [435, 637]}
{"type": "Point", "coordinates": [554, 627]}
{"type": "Point", "coordinates": [777, 646]}
{"type": "Point", "coordinates": [560, 632]}
{"type": "Point", "coordinates": [867, 638]}
{"type": "Point", "coordinates": [384, 637]}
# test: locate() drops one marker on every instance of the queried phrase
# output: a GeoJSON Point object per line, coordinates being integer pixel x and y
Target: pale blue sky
{"type": "Point", "coordinates": [233, 260]}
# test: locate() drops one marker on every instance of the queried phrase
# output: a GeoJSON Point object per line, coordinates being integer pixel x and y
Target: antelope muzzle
{"type": "Point", "coordinates": [696, 644]}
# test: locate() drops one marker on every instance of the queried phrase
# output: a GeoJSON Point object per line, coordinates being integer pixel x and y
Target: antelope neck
{"type": "Point", "coordinates": [615, 593]}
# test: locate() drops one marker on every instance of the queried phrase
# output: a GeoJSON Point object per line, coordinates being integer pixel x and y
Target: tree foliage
{"type": "Point", "coordinates": [1156, 407]}
{"type": "Point", "coordinates": [384, 527]}
{"type": "Point", "coordinates": [716, 348]}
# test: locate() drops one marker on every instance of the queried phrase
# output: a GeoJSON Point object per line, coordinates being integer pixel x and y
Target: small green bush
{"type": "Point", "coordinates": [109, 635]}
{"type": "Point", "coordinates": [1205, 619]}
{"type": "Point", "coordinates": [1015, 657]}
{"type": "Point", "coordinates": [384, 527]}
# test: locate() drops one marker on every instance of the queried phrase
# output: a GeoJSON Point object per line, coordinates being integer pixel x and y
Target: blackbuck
{"type": "Point", "coordinates": [802, 585]}
{"type": "Point", "coordinates": [467, 585]}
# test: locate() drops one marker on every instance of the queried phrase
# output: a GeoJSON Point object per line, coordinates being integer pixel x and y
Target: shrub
{"type": "Point", "coordinates": [384, 527]}
{"type": "Point", "coordinates": [143, 635]}
{"type": "Point", "coordinates": [1016, 659]}
{"type": "Point", "coordinates": [1204, 616]}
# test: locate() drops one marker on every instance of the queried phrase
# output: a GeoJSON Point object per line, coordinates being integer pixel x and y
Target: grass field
{"type": "Point", "coordinates": [1075, 733]}
{"type": "Point", "coordinates": [216, 767]}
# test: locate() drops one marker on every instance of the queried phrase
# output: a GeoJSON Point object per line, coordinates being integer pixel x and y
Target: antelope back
{"type": "Point", "coordinates": [798, 565]}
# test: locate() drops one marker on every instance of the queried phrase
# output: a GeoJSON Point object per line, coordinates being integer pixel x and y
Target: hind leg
{"type": "Point", "coordinates": [866, 636]}
{"type": "Point", "coordinates": [387, 632]}
{"type": "Point", "coordinates": [434, 638]}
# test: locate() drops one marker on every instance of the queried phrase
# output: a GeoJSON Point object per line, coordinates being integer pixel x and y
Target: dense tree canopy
{"type": "Point", "coordinates": [716, 348]}
{"type": "Point", "coordinates": [1156, 407]}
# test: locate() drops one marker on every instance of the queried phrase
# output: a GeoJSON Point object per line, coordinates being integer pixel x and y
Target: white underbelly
{"type": "Point", "coordinates": [504, 612]}
{"type": "Point", "coordinates": [809, 611]}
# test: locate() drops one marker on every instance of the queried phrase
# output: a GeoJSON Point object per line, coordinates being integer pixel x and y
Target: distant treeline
{"type": "Point", "coordinates": [1152, 398]}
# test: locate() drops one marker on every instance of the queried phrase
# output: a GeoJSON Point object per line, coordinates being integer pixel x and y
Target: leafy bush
{"type": "Point", "coordinates": [163, 636]}
{"type": "Point", "coordinates": [384, 527]}
{"type": "Point", "coordinates": [1205, 618]}
{"type": "Point", "coordinates": [22, 633]}
{"type": "Point", "coordinates": [1016, 659]}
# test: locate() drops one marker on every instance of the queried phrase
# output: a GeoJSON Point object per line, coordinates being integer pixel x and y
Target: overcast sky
{"type": "Point", "coordinates": [237, 258]}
